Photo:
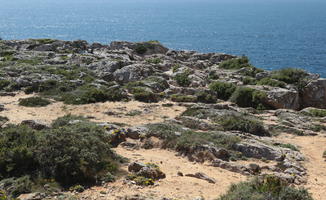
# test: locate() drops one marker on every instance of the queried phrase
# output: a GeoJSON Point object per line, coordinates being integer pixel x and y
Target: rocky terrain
{"type": "Point", "coordinates": [175, 124]}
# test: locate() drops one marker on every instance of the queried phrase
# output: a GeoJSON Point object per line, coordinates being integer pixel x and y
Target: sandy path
{"type": "Point", "coordinates": [173, 186]}
{"type": "Point", "coordinates": [312, 148]}
{"type": "Point", "coordinates": [150, 113]}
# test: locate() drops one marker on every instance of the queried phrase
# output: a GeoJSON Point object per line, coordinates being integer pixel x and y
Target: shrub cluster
{"type": "Point", "coordinates": [243, 123]}
{"type": "Point", "coordinates": [268, 187]}
{"type": "Point", "coordinates": [73, 151]}
{"type": "Point", "coordinates": [236, 63]}
{"type": "Point", "coordinates": [294, 76]}
{"type": "Point", "coordinates": [248, 97]}
{"type": "Point", "coordinates": [314, 112]}
{"type": "Point", "coordinates": [34, 102]}
{"type": "Point", "coordinates": [183, 79]}
{"type": "Point", "coordinates": [223, 90]}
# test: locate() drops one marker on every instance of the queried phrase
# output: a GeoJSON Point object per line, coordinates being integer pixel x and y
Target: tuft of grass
{"type": "Point", "coordinates": [242, 123]}
{"type": "Point", "coordinates": [154, 61]}
{"type": "Point", "coordinates": [143, 95]}
{"type": "Point", "coordinates": [34, 102]}
{"type": "Point", "coordinates": [314, 112]}
{"type": "Point", "coordinates": [288, 146]}
{"type": "Point", "coordinates": [223, 90]}
{"type": "Point", "coordinates": [271, 82]}
{"type": "Point", "coordinates": [206, 97]}
{"type": "Point", "coordinates": [183, 98]}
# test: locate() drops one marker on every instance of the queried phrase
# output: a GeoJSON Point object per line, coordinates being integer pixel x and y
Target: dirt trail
{"type": "Point", "coordinates": [312, 148]}
{"type": "Point", "coordinates": [173, 186]}
{"type": "Point", "coordinates": [131, 113]}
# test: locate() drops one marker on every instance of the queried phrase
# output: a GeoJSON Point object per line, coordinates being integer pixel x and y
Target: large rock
{"type": "Point", "coordinates": [314, 94]}
{"type": "Point", "coordinates": [254, 149]}
{"type": "Point", "coordinates": [133, 72]}
{"type": "Point", "coordinates": [283, 98]}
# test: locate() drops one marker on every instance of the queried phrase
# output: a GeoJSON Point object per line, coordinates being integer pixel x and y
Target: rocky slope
{"type": "Point", "coordinates": [213, 109]}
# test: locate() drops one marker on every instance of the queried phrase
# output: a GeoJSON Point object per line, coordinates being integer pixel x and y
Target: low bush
{"type": "Point", "coordinates": [4, 84]}
{"type": "Point", "coordinates": [243, 123]}
{"type": "Point", "coordinates": [154, 61]}
{"type": "Point", "coordinates": [16, 186]}
{"type": "Point", "coordinates": [271, 82]}
{"type": "Point", "coordinates": [183, 79]}
{"type": "Point", "coordinates": [324, 154]}
{"type": "Point", "coordinates": [249, 81]}
{"type": "Point", "coordinates": [314, 112]}
{"type": "Point", "coordinates": [183, 98]}
{"type": "Point", "coordinates": [89, 94]}
{"type": "Point", "coordinates": [74, 151]}
{"type": "Point", "coordinates": [223, 90]}
{"type": "Point", "coordinates": [288, 146]}
{"type": "Point", "coordinates": [236, 63]}
{"type": "Point", "coordinates": [294, 76]}
{"type": "Point", "coordinates": [143, 95]}
{"type": "Point", "coordinates": [206, 97]}
{"type": "Point", "coordinates": [268, 187]}
{"type": "Point", "coordinates": [248, 97]}
{"type": "Point", "coordinates": [34, 102]}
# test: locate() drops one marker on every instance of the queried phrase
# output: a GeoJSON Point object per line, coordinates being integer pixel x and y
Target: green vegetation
{"type": "Point", "coordinates": [141, 48]}
{"type": "Point", "coordinates": [34, 102]}
{"type": "Point", "coordinates": [324, 154]}
{"type": "Point", "coordinates": [206, 97]}
{"type": "Point", "coordinates": [288, 146]}
{"type": "Point", "coordinates": [236, 63]}
{"type": "Point", "coordinates": [74, 151]}
{"type": "Point", "coordinates": [183, 98]}
{"type": "Point", "coordinates": [144, 95]}
{"type": "Point", "coordinates": [187, 139]}
{"type": "Point", "coordinates": [291, 76]}
{"type": "Point", "coordinates": [314, 112]}
{"type": "Point", "coordinates": [223, 89]}
{"type": "Point", "coordinates": [248, 97]}
{"type": "Point", "coordinates": [242, 123]}
{"type": "Point", "coordinates": [268, 187]}
{"type": "Point", "coordinates": [154, 61]}
{"type": "Point", "coordinates": [247, 80]}
{"type": "Point", "coordinates": [85, 95]}
{"type": "Point", "coordinates": [183, 79]}
{"type": "Point", "coordinates": [140, 180]}
{"type": "Point", "coordinates": [4, 84]}
{"type": "Point", "coordinates": [271, 82]}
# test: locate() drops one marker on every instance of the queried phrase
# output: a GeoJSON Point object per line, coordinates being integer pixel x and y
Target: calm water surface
{"type": "Point", "coordinates": [273, 35]}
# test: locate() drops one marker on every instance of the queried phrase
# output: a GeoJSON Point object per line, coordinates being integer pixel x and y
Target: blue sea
{"type": "Point", "coordinates": [273, 34]}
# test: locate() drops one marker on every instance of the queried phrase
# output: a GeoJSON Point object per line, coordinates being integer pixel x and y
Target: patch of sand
{"type": "Point", "coordinates": [173, 186]}
{"type": "Point", "coordinates": [118, 111]}
{"type": "Point", "coordinates": [312, 148]}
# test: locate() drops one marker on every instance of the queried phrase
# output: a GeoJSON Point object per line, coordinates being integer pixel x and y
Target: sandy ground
{"type": "Point", "coordinates": [312, 148]}
{"type": "Point", "coordinates": [113, 112]}
{"type": "Point", "coordinates": [173, 186]}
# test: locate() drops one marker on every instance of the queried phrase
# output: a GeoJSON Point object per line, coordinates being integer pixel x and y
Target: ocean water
{"type": "Point", "coordinates": [274, 34]}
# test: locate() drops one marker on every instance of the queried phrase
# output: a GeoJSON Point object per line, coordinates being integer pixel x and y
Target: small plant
{"type": "Point", "coordinates": [267, 187]}
{"type": "Point", "coordinates": [314, 112]}
{"type": "Point", "coordinates": [34, 102]}
{"type": "Point", "coordinates": [4, 84]}
{"type": "Point", "coordinates": [288, 146]}
{"type": "Point", "coordinates": [249, 81]}
{"type": "Point", "coordinates": [154, 61]}
{"type": "Point", "coordinates": [183, 79]}
{"type": "Point", "coordinates": [324, 154]}
{"type": "Point", "coordinates": [243, 123]}
{"type": "Point", "coordinates": [271, 82]}
{"type": "Point", "coordinates": [206, 97]}
{"type": "Point", "coordinates": [236, 63]}
{"type": "Point", "coordinates": [77, 188]}
{"type": "Point", "coordinates": [248, 97]}
{"type": "Point", "coordinates": [183, 98]}
{"type": "Point", "coordinates": [140, 48]}
{"type": "Point", "coordinates": [143, 95]}
{"type": "Point", "coordinates": [140, 180]}
{"type": "Point", "coordinates": [223, 89]}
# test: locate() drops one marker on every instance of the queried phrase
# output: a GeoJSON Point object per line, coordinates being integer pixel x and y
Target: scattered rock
{"type": "Point", "coordinates": [202, 176]}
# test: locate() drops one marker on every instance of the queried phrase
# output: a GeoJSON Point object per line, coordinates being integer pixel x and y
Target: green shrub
{"type": "Point", "coordinates": [75, 154]}
{"type": "Point", "coordinates": [236, 63]}
{"type": "Point", "coordinates": [140, 180]}
{"type": "Point", "coordinates": [271, 82]}
{"type": "Point", "coordinates": [223, 89]}
{"type": "Point", "coordinates": [154, 61]}
{"type": "Point", "coordinates": [143, 95]}
{"type": "Point", "coordinates": [206, 97]}
{"type": "Point", "coordinates": [16, 186]}
{"type": "Point", "coordinates": [3, 120]}
{"type": "Point", "coordinates": [291, 76]}
{"type": "Point", "coordinates": [314, 112]}
{"type": "Point", "coordinates": [3, 84]}
{"type": "Point", "coordinates": [183, 98]}
{"type": "Point", "coordinates": [140, 48]}
{"type": "Point", "coordinates": [183, 79]}
{"type": "Point", "coordinates": [243, 123]}
{"type": "Point", "coordinates": [86, 95]}
{"type": "Point", "coordinates": [249, 81]}
{"type": "Point", "coordinates": [248, 97]}
{"type": "Point", "coordinates": [268, 187]}
{"type": "Point", "coordinates": [288, 146]}
{"type": "Point", "coordinates": [34, 102]}
{"type": "Point", "coordinates": [17, 145]}
{"type": "Point", "coordinates": [324, 154]}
